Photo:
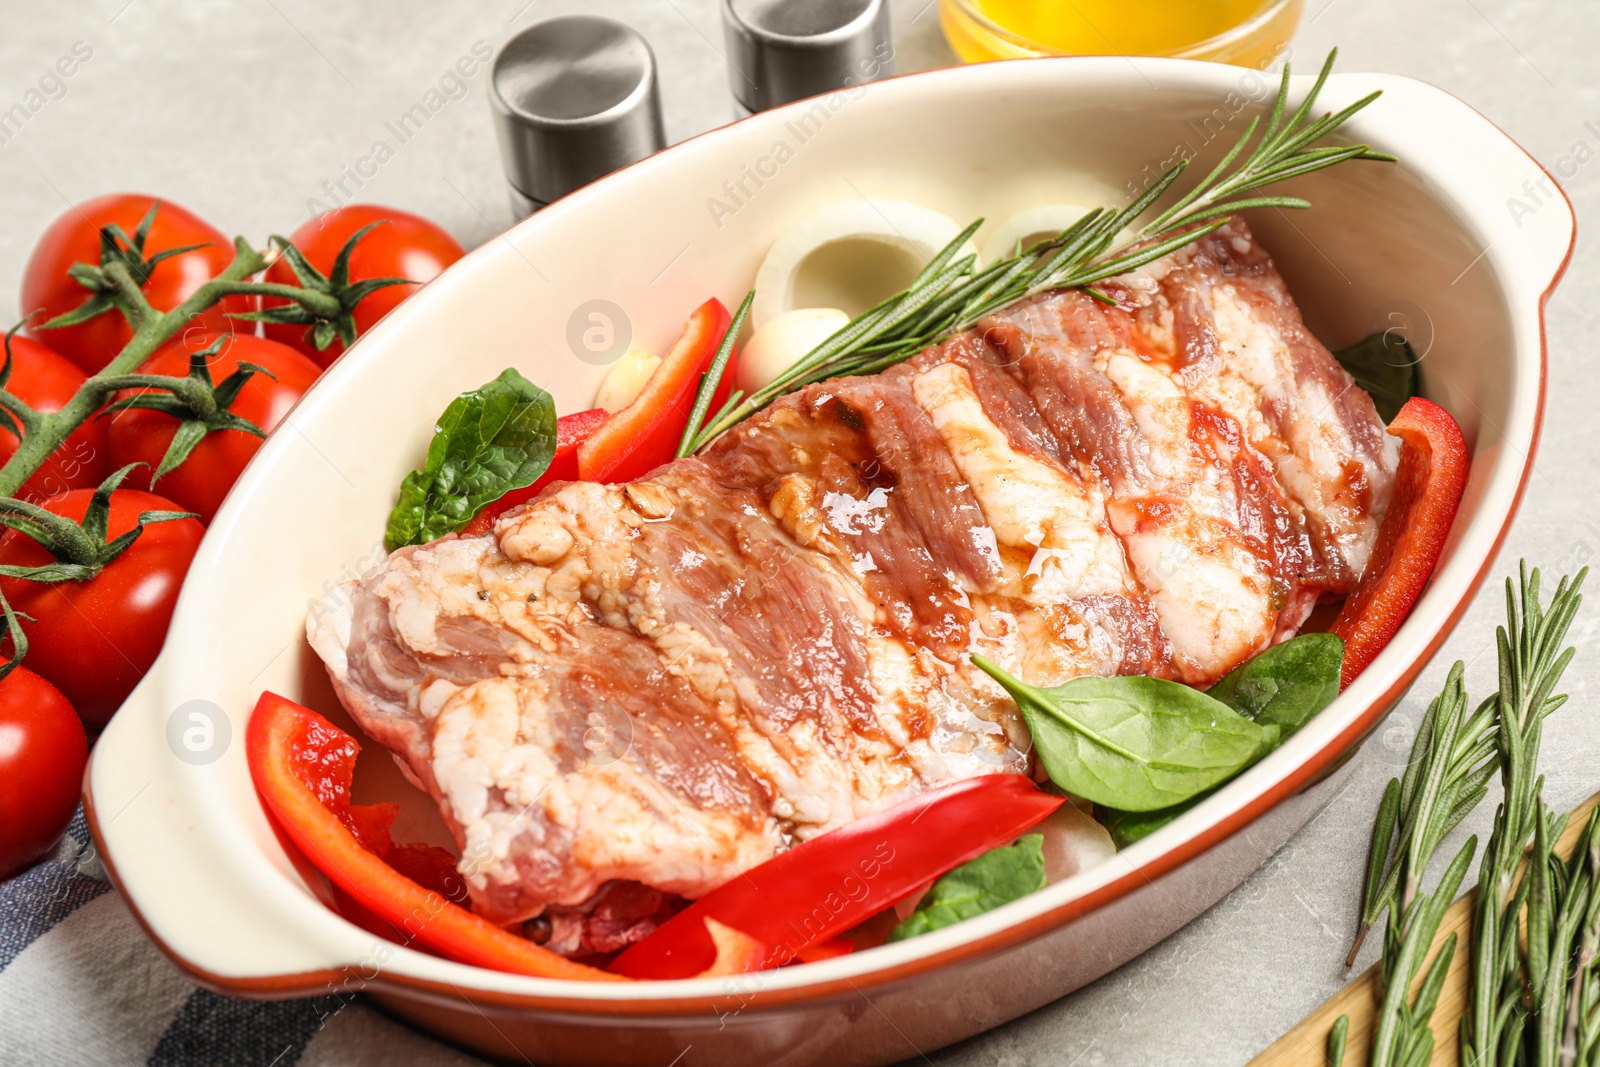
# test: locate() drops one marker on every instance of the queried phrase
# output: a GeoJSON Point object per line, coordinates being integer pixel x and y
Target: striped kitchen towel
{"type": "Point", "coordinates": [81, 986]}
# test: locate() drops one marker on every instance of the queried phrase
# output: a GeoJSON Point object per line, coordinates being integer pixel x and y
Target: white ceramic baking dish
{"type": "Point", "coordinates": [1430, 237]}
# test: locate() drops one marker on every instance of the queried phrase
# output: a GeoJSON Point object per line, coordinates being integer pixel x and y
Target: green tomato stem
{"type": "Point", "coordinates": [152, 330]}
{"type": "Point", "coordinates": [323, 305]}
{"type": "Point", "coordinates": [130, 297]}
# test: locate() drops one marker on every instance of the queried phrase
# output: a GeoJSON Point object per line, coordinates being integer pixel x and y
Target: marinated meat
{"type": "Point", "coordinates": [660, 684]}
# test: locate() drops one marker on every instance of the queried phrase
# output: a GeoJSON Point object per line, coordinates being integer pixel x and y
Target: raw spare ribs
{"type": "Point", "coordinates": [665, 682]}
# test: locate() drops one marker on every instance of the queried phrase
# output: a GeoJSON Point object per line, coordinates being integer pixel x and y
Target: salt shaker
{"type": "Point", "coordinates": [784, 50]}
{"type": "Point", "coordinates": [574, 99]}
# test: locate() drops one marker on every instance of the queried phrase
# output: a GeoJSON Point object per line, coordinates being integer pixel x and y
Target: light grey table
{"type": "Point", "coordinates": [242, 111]}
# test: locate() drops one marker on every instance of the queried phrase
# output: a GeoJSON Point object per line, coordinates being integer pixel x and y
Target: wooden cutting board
{"type": "Point", "coordinates": [1306, 1045]}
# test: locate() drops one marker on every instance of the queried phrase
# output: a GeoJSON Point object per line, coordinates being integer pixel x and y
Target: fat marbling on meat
{"type": "Point", "coordinates": [667, 681]}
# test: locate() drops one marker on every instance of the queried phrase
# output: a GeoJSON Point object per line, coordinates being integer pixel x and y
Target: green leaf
{"type": "Point", "coordinates": [1287, 684]}
{"type": "Point", "coordinates": [189, 433]}
{"type": "Point", "coordinates": [1135, 744]}
{"type": "Point", "coordinates": [1126, 827]}
{"type": "Point", "coordinates": [1338, 1038]}
{"type": "Point", "coordinates": [997, 877]}
{"type": "Point", "coordinates": [1282, 687]}
{"type": "Point", "coordinates": [488, 442]}
{"type": "Point", "coordinates": [1386, 367]}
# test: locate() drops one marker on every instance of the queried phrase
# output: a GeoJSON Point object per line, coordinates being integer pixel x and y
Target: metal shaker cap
{"type": "Point", "coordinates": [783, 50]}
{"type": "Point", "coordinates": [574, 99]}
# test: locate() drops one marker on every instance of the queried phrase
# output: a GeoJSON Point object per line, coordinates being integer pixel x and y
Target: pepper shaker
{"type": "Point", "coordinates": [574, 99]}
{"type": "Point", "coordinates": [785, 50]}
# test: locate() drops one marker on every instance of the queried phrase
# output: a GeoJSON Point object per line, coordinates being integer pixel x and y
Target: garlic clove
{"type": "Point", "coordinates": [626, 379]}
{"type": "Point", "coordinates": [778, 345]}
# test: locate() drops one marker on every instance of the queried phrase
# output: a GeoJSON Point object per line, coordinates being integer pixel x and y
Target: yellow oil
{"type": "Point", "coordinates": [1115, 27]}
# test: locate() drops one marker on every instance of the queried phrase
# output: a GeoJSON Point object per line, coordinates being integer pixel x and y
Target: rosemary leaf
{"type": "Point", "coordinates": [1338, 1037]}
{"type": "Point", "coordinates": [713, 376]}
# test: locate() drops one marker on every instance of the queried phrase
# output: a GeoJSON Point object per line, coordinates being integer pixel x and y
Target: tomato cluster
{"type": "Point", "coordinates": [92, 636]}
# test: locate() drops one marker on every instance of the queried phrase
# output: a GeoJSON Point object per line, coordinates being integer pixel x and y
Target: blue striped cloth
{"type": "Point", "coordinates": [81, 986]}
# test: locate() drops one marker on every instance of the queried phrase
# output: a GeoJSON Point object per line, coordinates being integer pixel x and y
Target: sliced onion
{"type": "Point", "coordinates": [850, 255]}
{"type": "Point", "coordinates": [1040, 223]}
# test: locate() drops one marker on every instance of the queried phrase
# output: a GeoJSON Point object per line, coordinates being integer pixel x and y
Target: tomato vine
{"type": "Point", "coordinates": [116, 285]}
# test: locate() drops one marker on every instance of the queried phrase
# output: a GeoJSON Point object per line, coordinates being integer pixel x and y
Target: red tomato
{"type": "Point", "coordinates": [95, 639]}
{"type": "Point", "coordinates": [407, 246]}
{"type": "Point", "coordinates": [75, 238]}
{"type": "Point", "coordinates": [47, 381]}
{"type": "Point", "coordinates": [202, 480]}
{"type": "Point", "coordinates": [42, 753]}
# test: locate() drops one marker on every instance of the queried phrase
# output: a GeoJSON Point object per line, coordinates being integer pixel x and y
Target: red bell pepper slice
{"type": "Point", "coordinates": [646, 433]}
{"type": "Point", "coordinates": [810, 893]}
{"type": "Point", "coordinates": [571, 431]}
{"type": "Point", "coordinates": [1427, 490]}
{"type": "Point", "coordinates": [301, 764]}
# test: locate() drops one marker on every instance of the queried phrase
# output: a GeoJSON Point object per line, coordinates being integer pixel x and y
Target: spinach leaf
{"type": "Point", "coordinates": [1287, 684]}
{"type": "Point", "coordinates": [1126, 827]}
{"type": "Point", "coordinates": [1386, 367]}
{"type": "Point", "coordinates": [489, 441]}
{"type": "Point", "coordinates": [1137, 744]}
{"type": "Point", "coordinates": [1284, 687]}
{"type": "Point", "coordinates": [997, 877]}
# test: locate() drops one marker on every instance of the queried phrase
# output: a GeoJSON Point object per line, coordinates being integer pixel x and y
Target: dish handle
{"type": "Point", "coordinates": [194, 858]}
{"type": "Point", "coordinates": [1530, 238]}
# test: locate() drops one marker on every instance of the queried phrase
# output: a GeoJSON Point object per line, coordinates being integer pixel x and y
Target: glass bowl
{"type": "Point", "coordinates": [1255, 42]}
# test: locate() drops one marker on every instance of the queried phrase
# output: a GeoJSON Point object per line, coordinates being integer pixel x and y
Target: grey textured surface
{"type": "Point", "coordinates": [242, 111]}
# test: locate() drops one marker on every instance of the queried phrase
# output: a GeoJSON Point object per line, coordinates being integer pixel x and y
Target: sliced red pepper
{"type": "Point", "coordinates": [571, 431]}
{"type": "Point", "coordinates": [827, 950]}
{"type": "Point", "coordinates": [736, 952]}
{"type": "Point", "coordinates": [1433, 474]}
{"type": "Point", "coordinates": [811, 893]}
{"type": "Point", "coordinates": [646, 433]}
{"type": "Point", "coordinates": [301, 764]}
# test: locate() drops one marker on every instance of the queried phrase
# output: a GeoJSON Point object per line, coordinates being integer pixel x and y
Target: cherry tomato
{"type": "Point", "coordinates": [42, 753]}
{"type": "Point", "coordinates": [95, 639]}
{"type": "Point", "coordinates": [406, 246]}
{"type": "Point", "coordinates": [46, 381]}
{"type": "Point", "coordinates": [203, 479]}
{"type": "Point", "coordinates": [75, 238]}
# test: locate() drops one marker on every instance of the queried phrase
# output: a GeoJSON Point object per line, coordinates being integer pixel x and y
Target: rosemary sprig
{"type": "Point", "coordinates": [1417, 812]}
{"type": "Point", "coordinates": [1448, 775]}
{"type": "Point", "coordinates": [713, 375]}
{"type": "Point", "coordinates": [952, 293]}
{"type": "Point", "coordinates": [1404, 1035]}
{"type": "Point", "coordinates": [1510, 993]}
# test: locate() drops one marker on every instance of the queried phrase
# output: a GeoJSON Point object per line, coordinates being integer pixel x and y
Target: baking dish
{"type": "Point", "coordinates": [1427, 242]}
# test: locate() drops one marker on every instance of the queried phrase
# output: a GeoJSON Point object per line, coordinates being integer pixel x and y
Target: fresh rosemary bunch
{"type": "Point", "coordinates": [952, 293]}
{"type": "Point", "coordinates": [1535, 999]}
{"type": "Point", "coordinates": [1517, 1000]}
